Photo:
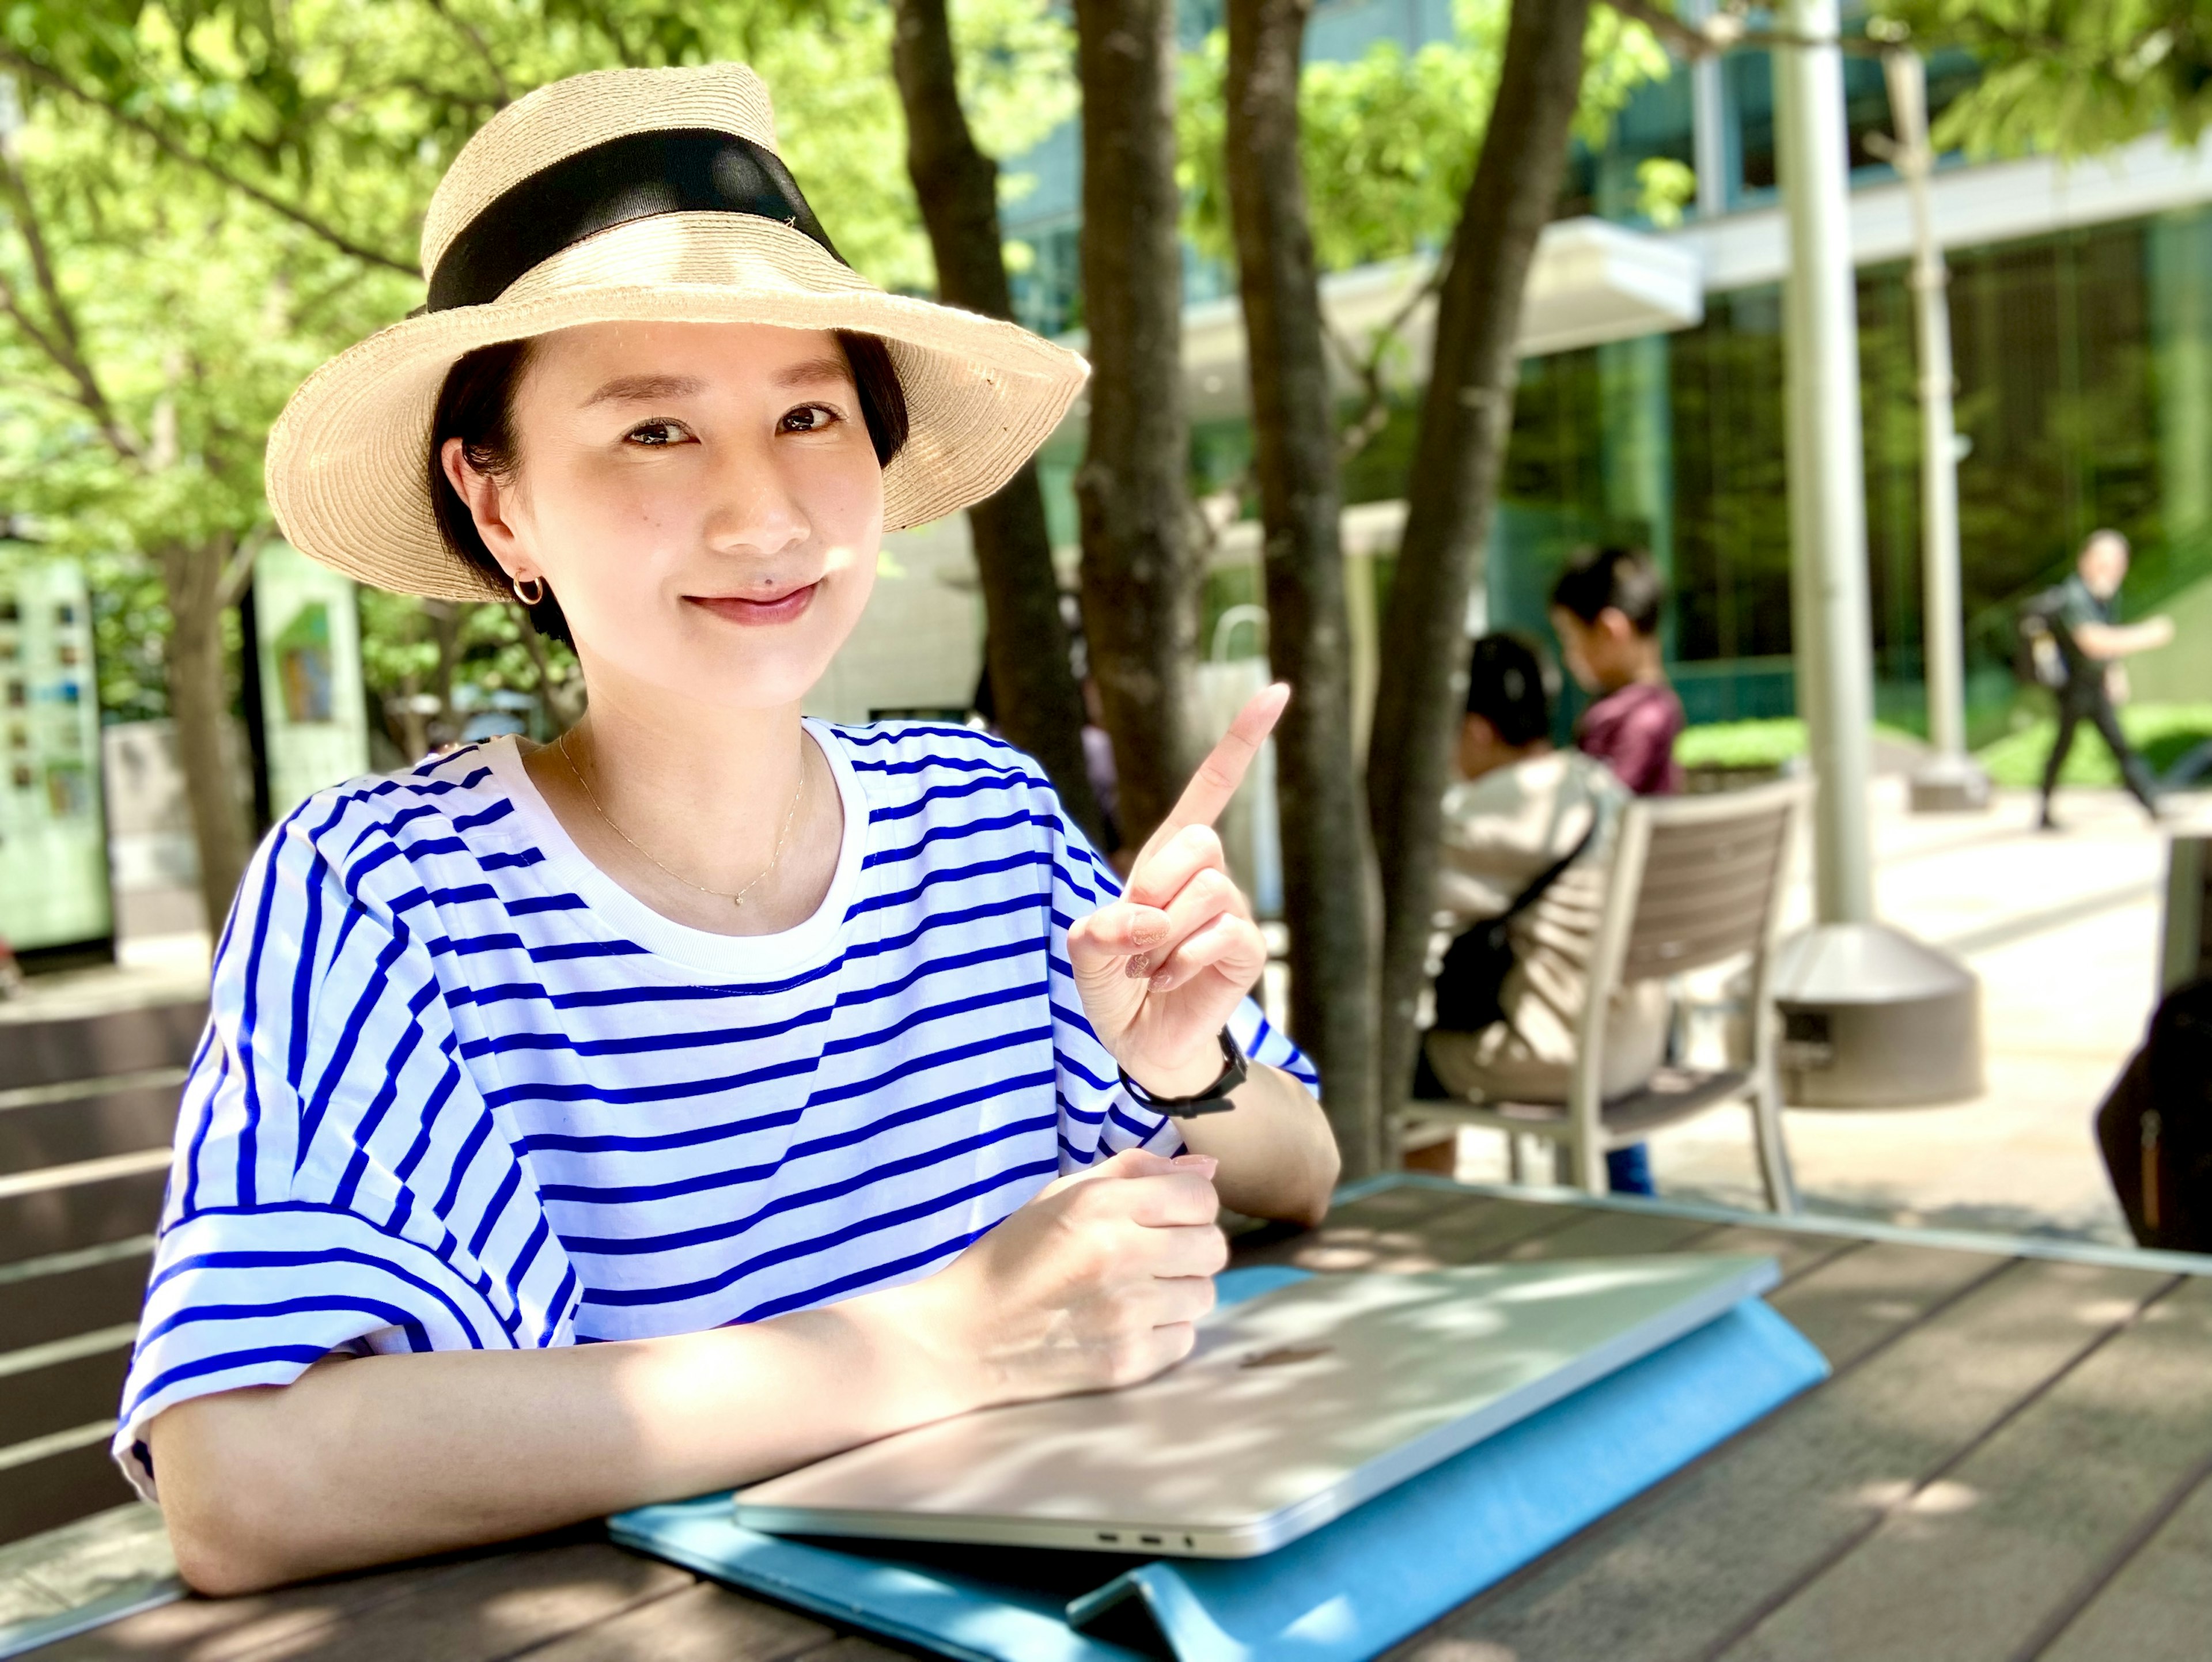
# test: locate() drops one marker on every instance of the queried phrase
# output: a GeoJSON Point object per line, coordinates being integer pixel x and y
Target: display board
{"type": "Point", "coordinates": [53, 845]}
{"type": "Point", "coordinates": [314, 721]}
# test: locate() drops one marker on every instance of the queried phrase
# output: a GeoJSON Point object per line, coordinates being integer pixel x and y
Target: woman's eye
{"type": "Point", "coordinates": [657, 433]}
{"type": "Point", "coordinates": [809, 418]}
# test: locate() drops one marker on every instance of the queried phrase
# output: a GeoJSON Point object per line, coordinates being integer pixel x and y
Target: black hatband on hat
{"type": "Point", "coordinates": [637, 176]}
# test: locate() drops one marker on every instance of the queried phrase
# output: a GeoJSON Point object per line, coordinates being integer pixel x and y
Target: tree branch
{"type": "Point", "coordinates": [238, 569]}
{"type": "Point", "coordinates": [59, 340]}
{"type": "Point", "coordinates": [169, 147]}
{"type": "Point", "coordinates": [560, 695]}
{"type": "Point", "coordinates": [470, 33]}
{"type": "Point", "coordinates": [1367, 368]}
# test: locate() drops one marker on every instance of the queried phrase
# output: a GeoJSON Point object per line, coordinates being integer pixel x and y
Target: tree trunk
{"type": "Point", "coordinates": [1467, 416]}
{"type": "Point", "coordinates": [1040, 706]}
{"type": "Point", "coordinates": [1140, 579]}
{"type": "Point", "coordinates": [199, 703]}
{"type": "Point", "coordinates": [1328, 862]}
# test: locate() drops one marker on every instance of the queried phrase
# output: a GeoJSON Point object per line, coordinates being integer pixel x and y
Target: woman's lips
{"type": "Point", "coordinates": [781, 610]}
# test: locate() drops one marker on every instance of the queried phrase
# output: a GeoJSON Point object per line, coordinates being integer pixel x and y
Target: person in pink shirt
{"type": "Point", "coordinates": [1605, 610]}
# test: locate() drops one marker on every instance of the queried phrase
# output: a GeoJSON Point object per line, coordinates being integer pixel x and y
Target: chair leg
{"type": "Point", "coordinates": [1517, 1159]}
{"type": "Point", "coordinates": [1773, 1153]}
{"type": "Point", "coordinates": [1579, 1163]}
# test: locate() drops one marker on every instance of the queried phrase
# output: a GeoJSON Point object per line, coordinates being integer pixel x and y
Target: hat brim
{"type": "Point", "coordinates": [347, 469]}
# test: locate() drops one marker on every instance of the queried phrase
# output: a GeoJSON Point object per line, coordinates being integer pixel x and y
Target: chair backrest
{"type": "Point", "coordinates": [1695, 881]}
{"type": "Point", "coordinates": [1708, 872]}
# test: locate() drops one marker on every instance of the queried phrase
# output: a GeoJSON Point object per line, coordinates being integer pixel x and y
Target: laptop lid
{"type": "Point", "coordinates": [1293, 1408]}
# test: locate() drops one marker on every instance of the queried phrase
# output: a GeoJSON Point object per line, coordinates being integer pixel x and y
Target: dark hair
{"type": "Point", "coordinates": [1625, 579]}
{"type": "Point", "coordinates": [1508, 685]}
{"type": "Point", "coordinates": [476, 407]}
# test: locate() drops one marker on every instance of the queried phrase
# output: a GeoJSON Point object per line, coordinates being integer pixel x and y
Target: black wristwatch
{"type": "Point", "coordinates": [1213, 1099]}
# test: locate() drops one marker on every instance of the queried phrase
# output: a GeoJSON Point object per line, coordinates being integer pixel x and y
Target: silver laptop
{"type": "Point", "coordinates": [1294, 1407]}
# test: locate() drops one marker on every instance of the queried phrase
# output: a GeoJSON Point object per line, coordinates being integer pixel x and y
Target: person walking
{"type": "Point", "coordinates": [2080, 613]}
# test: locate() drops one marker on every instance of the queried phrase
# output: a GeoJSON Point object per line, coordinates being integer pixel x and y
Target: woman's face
{"type": "Point", "coordinates": [703, 500]}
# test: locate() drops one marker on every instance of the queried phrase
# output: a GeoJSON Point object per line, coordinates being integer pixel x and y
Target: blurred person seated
{"type": "Point", "coordinates": [1605, 610]}
{"type": "Point", "coordinates": [1521, 807]}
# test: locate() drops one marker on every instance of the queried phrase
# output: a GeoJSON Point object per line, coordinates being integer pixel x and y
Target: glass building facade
{"type": "Point", "coordinates": [2083, 358]}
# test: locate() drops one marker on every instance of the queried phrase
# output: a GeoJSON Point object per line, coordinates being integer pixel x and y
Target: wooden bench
{"type": "Point", "coordinates": [87, 1107]}
{"type": "Point", "coordinates": [2013, 1461]}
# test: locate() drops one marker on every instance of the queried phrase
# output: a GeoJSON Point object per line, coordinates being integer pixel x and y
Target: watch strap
{"type": "Point", "coordinates": [1214, 1099]}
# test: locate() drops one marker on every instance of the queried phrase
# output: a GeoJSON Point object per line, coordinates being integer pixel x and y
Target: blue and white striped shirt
{"type": "Point", "coordinates": [459, 1089]}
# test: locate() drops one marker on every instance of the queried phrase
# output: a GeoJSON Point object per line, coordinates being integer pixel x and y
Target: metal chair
{"type": "Point", "coordinates": [1695, 881]}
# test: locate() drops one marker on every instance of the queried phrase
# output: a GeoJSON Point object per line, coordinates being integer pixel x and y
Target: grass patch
{"type": "Point", "coordinates": [2163, 733]}
{"type": "Point", "coordinates": [1763, 744]}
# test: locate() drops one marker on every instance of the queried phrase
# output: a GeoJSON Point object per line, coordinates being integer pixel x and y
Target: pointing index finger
{"type": "Point", "coordinates": [1225, 766]}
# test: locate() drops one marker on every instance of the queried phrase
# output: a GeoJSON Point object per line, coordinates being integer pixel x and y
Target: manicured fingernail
{"type": "Point", "coordinates": [1149, 931]}
{"type": "Point", "coordinates": [1139, 966]}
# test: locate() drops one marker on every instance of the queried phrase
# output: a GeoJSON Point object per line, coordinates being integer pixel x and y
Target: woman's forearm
{"type": "Point", "coordinates": [1278, 1157]}
{"type": "Point", "coordinates": [363, 1461]}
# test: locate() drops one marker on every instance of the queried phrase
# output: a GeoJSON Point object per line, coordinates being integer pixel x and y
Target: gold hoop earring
{"type": "Point", "coordinates": [531, 591]}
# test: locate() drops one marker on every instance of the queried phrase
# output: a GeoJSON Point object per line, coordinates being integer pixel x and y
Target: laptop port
{"type": "Point", "coordinates": [1108, 1535]}
{"type": "Point", "coordinates": [1150, 1541]}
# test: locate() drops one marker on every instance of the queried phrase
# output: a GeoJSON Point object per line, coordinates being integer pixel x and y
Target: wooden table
{"type": "Point", "coordinates": [2013, 1460]}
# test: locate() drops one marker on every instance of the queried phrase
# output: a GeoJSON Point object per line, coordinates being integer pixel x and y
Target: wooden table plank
{"type": "Point", "coordinates": [702, 1622]}
{"type": "Point", "coordinates": [1684, 1571]}
{"type": "Point", "coordinates": [1858, 1300]}
{"type": "Point", "coordinates": [1994, 1553]}
{"type": "Point", "coordinates": [2157, 1607]}
{"type": "Point", "coordinates": [1795, 1253]}
{"type": "Point", "coordinates": [1601, 1235]}
{"type": "Point", "coordinates": [221, 1629]}
{"type": "Point", "coordinates": [474, 1610]}
{"type": "Point", "coordinates": [1365, 1237]}
{"type": "Point", "coordinates": [855, 1649]}
{"type": "Point", "coordinates": [2073, 1404]}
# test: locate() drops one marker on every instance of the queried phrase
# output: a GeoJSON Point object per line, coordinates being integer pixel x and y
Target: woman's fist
{"type": "Point", "coordinates": [1095, 1283]}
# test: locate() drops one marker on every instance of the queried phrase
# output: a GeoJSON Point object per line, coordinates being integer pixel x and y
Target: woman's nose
{"type": "Point", "coordinates": [754, 509]}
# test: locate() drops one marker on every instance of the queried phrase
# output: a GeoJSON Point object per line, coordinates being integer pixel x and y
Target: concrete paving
{"type": "Point", "coordinates": [2064, 930]}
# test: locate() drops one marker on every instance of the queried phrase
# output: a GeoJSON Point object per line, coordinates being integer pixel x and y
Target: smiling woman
{"type": "Point", "coordinates": [475, 408]}
{"type": "Point", "coordinates": [715, 1089]}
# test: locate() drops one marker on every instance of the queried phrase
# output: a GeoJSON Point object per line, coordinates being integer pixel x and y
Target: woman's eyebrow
{"type": "Point", "coordinates": [809, 371]}
{"type": "Point", "coordinates": [644, 389]}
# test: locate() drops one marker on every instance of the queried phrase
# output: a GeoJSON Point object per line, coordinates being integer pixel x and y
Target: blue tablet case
{"type": "Point", "coordinates": [1348, 1590]}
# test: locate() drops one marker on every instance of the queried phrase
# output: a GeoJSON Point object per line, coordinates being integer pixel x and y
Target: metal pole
{"type": "Point", "coordinates": [1951, 780]}
{"type": "Point", "coordinates": [1708, 121]}
{"type": "Point", "coordinates": [1827, 490]}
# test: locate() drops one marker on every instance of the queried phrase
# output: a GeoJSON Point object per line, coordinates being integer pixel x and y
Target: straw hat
{"type": "Point", "coordinates": [628, 196]}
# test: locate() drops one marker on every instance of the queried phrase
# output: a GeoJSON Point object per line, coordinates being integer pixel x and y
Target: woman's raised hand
{"type": "Point", "coordinates": [1161, 970]}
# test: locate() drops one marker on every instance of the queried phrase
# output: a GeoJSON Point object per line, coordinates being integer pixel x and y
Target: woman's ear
{"type": "Point", "coordinates": [484, 495]}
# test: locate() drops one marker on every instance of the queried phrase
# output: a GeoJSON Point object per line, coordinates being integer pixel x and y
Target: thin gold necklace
{"type": "Point", "coordinates": [606, 818]}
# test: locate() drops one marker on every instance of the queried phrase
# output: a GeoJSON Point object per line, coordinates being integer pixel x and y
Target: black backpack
{"type": "Point", "coordinates": [2039, 640]}
{"type": "Point", "coordinates": [2155, 1128]}
{"type": "Point", "coordinates": [1470, 989]}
